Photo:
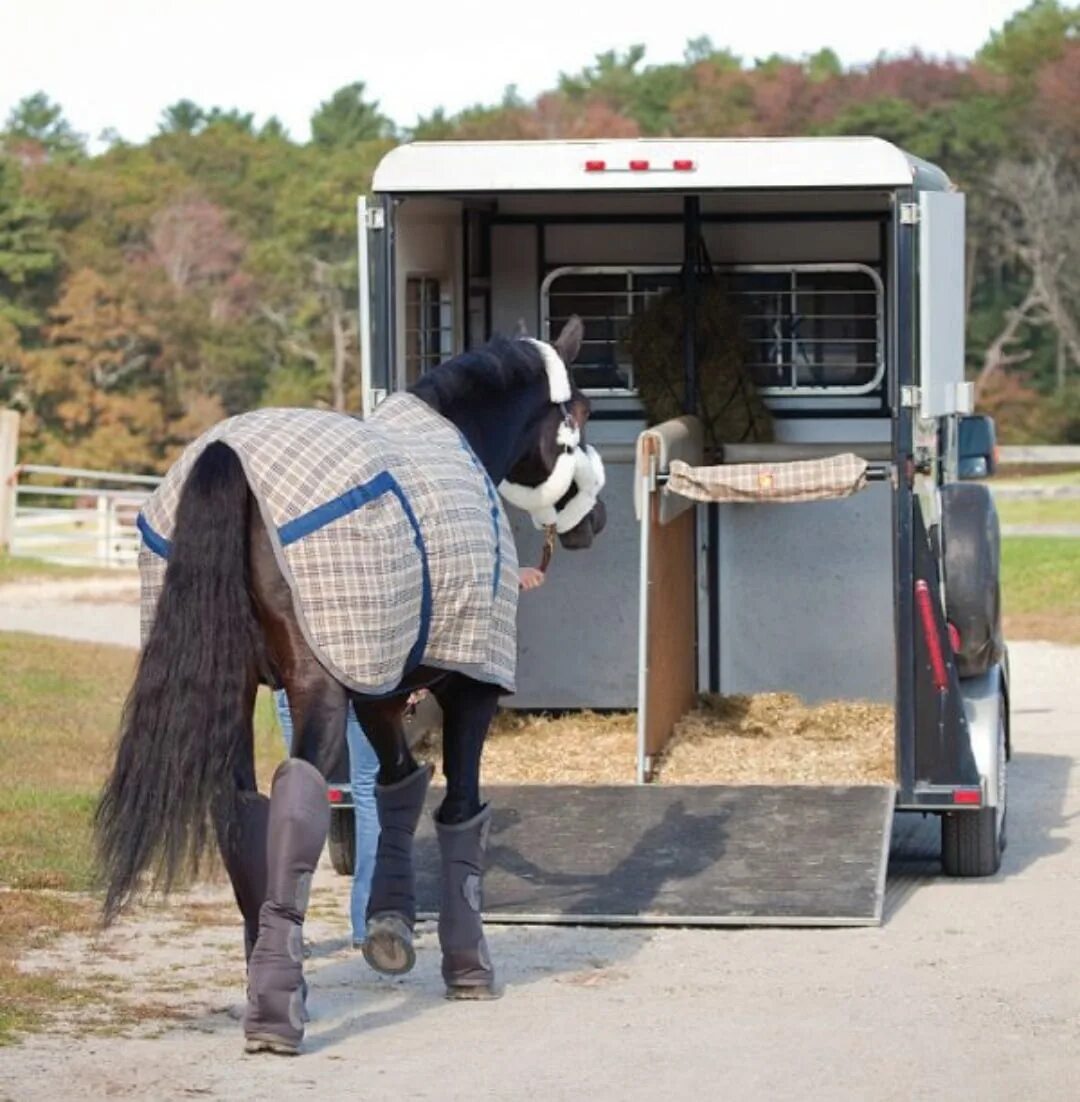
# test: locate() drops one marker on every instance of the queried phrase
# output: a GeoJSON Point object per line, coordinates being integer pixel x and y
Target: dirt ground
{"type": "Point", "coordinates": [973, 984]}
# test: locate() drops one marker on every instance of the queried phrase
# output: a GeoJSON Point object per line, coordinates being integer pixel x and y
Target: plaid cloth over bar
{"type": "Point", "coordinates": [803, 480]}
{"type": "Point", "coordinates": [390, 534]}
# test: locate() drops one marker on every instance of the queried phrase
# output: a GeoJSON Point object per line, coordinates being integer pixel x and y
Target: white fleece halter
{"type": "Point", "coordinates": [575, 465]}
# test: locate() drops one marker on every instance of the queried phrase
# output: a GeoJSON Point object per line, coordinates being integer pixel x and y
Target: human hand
{"type": "Point", "coordinates": [530, 578]}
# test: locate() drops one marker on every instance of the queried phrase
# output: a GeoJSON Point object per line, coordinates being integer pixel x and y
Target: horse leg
{"type": "Point", "coordinates": [241, 834]}
{"type": "Point", "coordinates": [399, 799]}
{"type": "Point", "coordinates": [298, 822]}
{"type": "Point", "coordinates": [462, 825]}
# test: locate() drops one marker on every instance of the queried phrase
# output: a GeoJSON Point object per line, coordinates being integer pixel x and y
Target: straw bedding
{"type": "Point", "coordinates": [767, 738]}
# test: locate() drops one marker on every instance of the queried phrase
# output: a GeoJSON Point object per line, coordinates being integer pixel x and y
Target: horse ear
{"type": "Point", "coordinates": [522, 330]}
{"type": "Point", "coordinates": [568, 342]}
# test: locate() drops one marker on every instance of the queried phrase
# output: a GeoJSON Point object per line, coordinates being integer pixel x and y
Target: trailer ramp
{"type": "Point", "coordinates": [700, 855]}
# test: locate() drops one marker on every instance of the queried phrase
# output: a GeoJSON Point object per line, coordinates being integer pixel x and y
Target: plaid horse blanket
{"type": "Point", "coordinates": [388, 530]}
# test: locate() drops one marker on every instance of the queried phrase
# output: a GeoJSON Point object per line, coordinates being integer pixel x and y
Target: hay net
{"type": "Point", "coordinates": [836, 476]}
{"type": "Point", "coordinates": [726, 399]}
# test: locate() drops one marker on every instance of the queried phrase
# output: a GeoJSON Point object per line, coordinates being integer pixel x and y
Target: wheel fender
{"type": "Point", "coordinates": [982, 708]}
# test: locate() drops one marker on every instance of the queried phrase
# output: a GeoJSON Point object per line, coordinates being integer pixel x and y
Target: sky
{"type": "Point", "coordinates": [117, 63]}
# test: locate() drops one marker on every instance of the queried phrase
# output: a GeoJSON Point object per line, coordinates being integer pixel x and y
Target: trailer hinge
{"type": "Point", "coordinates": [375, 218]}
{"type": "Point", "coordinates": [910, 397]}
{"type": "Point", "coordinates": [909, 214]}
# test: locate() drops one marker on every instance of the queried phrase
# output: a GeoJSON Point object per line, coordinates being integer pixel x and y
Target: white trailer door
{"type": "Point", "coordinates": [368, 227]}
{"type": "Point", "coordinates": [942, 304]}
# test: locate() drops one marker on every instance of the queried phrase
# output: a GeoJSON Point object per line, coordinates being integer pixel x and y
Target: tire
{"type": "Point", "coordinates": [972, 842]}
{"type": "Point", "coordinates": [971, 546]}
{"type": "Point", "coordinates": [343, 841]}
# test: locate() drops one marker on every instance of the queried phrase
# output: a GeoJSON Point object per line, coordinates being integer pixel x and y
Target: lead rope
{"type": "Point", "coordinates": [549, 529]}
{"type": "Point", "coordinates": [549, 548]}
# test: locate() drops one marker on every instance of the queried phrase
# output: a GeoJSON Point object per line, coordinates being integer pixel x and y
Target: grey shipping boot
{"type": "Point", "coordinates": [466, 961]}
{"type": "Point", "coordinates": [299, 821]}
{"type": "Point", "coordinates": [391, 912]}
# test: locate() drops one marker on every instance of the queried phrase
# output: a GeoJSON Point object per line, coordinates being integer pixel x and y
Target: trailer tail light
{"type": "Point", "coordinates": [954, 637]}
{"type": "Point", "coordinates": [679, 165]}
{"type": "Point", "coordinates": [967, 796]}
{"type": "Point", "coordinates": [923, 601]}
{"type": "Point", "coordinates": [335, 795]}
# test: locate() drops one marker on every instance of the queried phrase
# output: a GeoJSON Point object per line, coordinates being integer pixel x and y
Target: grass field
{"type": "Point", "coordinates": [1039, 510]}
{"type": "Point", "coordinates": [1035, 475]}
{"type": "Point", "coordinates": [20, 569]}
{"type": "Point", "coordinates": [1041, 583]}
{"type": "Point", "coordinates": [59, 706]}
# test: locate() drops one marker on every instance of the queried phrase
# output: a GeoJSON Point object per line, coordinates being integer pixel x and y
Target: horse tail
{"type": "Point", "coordinates": [186, 723]}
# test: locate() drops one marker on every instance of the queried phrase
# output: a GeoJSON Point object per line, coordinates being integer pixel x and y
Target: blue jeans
{"type": "Point", "coordinates": [363, 769]}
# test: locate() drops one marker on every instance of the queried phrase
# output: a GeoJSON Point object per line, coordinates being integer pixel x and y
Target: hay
{"type": "Point", "coordinates": [774, 738]}
{"type": "Point", "coordinates": [727, 402]}
{"type": "Point", "coordinates": [768, 738]}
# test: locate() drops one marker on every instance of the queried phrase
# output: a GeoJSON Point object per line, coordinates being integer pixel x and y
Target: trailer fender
{"type": "Point", "coordinates": [984, 698]}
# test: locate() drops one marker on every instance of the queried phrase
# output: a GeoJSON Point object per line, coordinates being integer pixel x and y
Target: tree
{"type": "Point", "coordinates": [306, 273]}
{"type": "Point", "coordinates": [823, 65]}
{"type": "Point", "coordinates": [28, 251]}
{"type": "Point", "coordinates": [1029, 39]}
{"type": "Point", "coordinates": [436, 127]}
{"type": "Point", "coordinates": [36, 119]}
{"type": "Point", "coordinates": [244, 121]}
{"type": "Point", "coordinates": [615, 82]}
{"type": "Point", "coordinates": [183, 117]}
{"type": "Point", "coordinates": [1040, 200]}
{"type": "Point", "coordinates": [193, 243]}
{"type": "Point", "coordinates": [347, 118]}
{"type": "Point", "coordinates": [1056, 105]}
{"type": "Point", "coordinates": [93, 392]}
{"type": "Point", "coordinates": [273, 130]}
{"type": "Point", "coordinates": [11, 364]}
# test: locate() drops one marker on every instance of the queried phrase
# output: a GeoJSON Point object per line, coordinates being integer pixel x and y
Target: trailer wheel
{"type": "Point", "coordinates": [971, 539]}
{"type": "Point", "coordinates": [972, 842]}
{"type": "Point", "coordinates": [343, 841]}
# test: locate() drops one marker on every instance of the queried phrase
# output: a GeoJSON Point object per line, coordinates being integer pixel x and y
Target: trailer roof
{"type": "Point", "coordinates": [652, 164]}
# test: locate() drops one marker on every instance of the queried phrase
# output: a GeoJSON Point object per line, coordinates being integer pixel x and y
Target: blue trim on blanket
{"type": "Point", "coordinates": [349, 502]}
{"type": "Point", "coordinates": [493, 498]}
{"type": "Point", "coordinates": [153, 540]}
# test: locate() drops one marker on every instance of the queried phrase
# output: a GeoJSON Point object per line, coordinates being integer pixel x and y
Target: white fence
{"type": "Point", "coordinates": [77, 517]}
{"type": "Point", "coordinates": [1064, 454]}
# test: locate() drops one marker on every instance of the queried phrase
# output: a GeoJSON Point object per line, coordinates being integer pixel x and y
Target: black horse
{"type": "Point", "coordinates": [225, 622]}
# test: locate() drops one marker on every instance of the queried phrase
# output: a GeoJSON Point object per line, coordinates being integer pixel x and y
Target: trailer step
{"type": "Point", "coordinates": [680, 855]}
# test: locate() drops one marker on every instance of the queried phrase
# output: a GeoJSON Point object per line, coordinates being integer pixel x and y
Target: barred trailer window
{"type": "Point", "coordinates": [807, 328]}
{"type": "Point", "coordinates": [429, 326]}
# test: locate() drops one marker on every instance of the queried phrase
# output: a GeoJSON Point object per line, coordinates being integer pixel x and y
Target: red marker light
{"type": "Point", "coordinates": [930, 634]}
{"type": "Point", "coordinates": [683, 166]}
{"type": "Point", "coordinates": [595, 166]}
{"type": "Point", "coordinates": [335, 795]}
{"type": "Point", "coordinates": [639, 166]}
{"type": "Point", "coordinates": [971, 796]}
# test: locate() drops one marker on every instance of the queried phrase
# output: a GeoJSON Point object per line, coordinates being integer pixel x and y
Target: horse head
{"type": "Point", "coordinates": [557, 477]}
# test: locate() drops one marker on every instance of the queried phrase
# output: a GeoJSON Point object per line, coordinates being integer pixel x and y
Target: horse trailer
{"type": "Point", "coordinates": [844, 258]}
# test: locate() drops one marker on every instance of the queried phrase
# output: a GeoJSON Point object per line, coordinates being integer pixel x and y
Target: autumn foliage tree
{"type": "Point", "coordinates": [151, 288]}
{"type": "Point", "coordinates": [92, 391]}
